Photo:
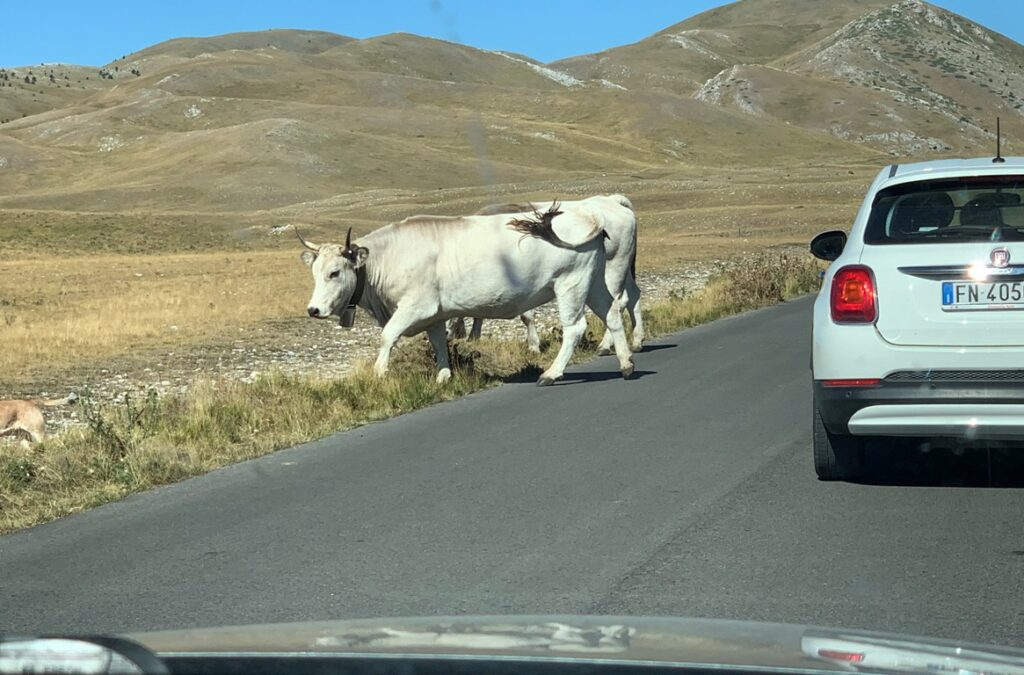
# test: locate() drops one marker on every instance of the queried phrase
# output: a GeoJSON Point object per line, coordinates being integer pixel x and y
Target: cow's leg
{"type": "Point", "coordinates": [636, 314]}
{"type": "Point", "coordinates": [380, 366]}
{"type": "Point", "coordinates": [477, 330]}
{"type": "Point", "coordinates": [607, 308]}
{"type": "Point", "coordinates": [532, 339]}
{"type": "Point", "coordinates": [570, 299]}
{"type": "Point", "coordinates": [457, 328]}
{"type": "Point", "coordinates": [615, 272]}
{"type": "Point", "coordinates": [630, 299]}
{"type": "Point", "coordinates": [439, 341]}
{"type": "Point", "coordinates": [401, 321]}
{"type": "Point", "coordinates": [605, 348]}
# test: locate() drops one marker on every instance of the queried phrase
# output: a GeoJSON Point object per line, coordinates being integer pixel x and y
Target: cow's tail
{"type": "Point", "coordinates": [538, 224]}
{"type": "Point", "coordinates": [54, 402]}
{"type": "Point", "coordinates": [624, 200]}
{"type": "Point", "coordinates": [632, 258]}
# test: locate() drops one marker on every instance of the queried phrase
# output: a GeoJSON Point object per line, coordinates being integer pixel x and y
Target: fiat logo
{"type": "Point", "coordinates": [1000, 257]}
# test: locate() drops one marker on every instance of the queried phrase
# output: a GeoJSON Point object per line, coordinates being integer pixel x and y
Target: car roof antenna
{"type": "Point", "coordinates": [999, 157]}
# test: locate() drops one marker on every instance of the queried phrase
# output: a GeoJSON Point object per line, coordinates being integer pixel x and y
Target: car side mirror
{"type": "Point", "coordinates": [828, 245]}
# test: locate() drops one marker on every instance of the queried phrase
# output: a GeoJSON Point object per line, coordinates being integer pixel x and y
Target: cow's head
{"type": "Point", "coordinates": [338, 278]}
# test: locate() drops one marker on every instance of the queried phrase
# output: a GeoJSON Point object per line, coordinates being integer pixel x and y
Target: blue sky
{"type": "Point", "coordinates": [96, 32]}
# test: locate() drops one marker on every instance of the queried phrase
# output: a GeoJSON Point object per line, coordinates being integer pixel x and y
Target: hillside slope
{"type": "Point", "coordinates": [683, 56]}
{"type": "Point", "coordinates": [249, 122]}
{"type": "Point", "coordinates": [902, 76]}
{"type": "Point", "coordinates": [259, 121]}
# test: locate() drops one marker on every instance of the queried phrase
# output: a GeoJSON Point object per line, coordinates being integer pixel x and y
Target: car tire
{"type": "Point", "coordinates": [836, 456]}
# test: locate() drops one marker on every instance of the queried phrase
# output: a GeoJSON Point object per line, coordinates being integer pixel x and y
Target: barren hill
{"type": "Point", "coordinates": [901, 76]}
{"type": "Point", "coordinates": [307, 121]}
{"type": "Point", "coordinates": [683, 56]}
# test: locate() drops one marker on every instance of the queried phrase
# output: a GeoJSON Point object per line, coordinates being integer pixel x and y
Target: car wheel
{"type": "Point", "coordinates": [836, 457]}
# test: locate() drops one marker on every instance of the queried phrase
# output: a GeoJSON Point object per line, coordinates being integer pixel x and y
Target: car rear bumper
{"type": "Point", "coordinates": [969, 422]}
{"type": "Point", "coordinates": [965, 409]}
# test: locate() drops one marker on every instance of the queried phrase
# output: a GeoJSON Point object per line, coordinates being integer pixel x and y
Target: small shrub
{"type": "Point", "coordinates": [758, 281]}
{"type": "Point", "coordinates": [19, 471]}
{"type": "Point", "coordinates": [770, 278]}
{"type": "Point", "coordinates": [120, 428]}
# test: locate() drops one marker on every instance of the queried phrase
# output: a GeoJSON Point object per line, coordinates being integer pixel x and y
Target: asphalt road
{"type": "Point", "coordinates": [687, 491]}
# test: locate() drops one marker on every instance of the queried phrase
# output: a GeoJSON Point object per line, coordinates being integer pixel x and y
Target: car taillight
{"type": "Point", "coordinates": [855, 382]}
{"type": "Point", "coordinates": [838, 655]}
{"type": "Point", "coordinates": [853, 295]}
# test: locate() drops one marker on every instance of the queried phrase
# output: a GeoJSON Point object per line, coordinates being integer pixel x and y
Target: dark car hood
{"type": "Point", "coordinates": [622, 639]}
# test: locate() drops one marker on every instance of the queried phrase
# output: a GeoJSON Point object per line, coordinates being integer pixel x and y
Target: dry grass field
{"type": "Point", "coordinates": [96, 308]}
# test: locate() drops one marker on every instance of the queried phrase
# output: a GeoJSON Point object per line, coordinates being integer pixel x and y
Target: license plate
{"type": "Point", "coordinates": [960, 295]}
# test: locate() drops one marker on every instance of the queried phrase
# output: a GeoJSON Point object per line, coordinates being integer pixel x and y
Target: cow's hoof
{"type": "Point", "coordinates": [627, 372]}
{"type": "Point", "coordinates": [545, 381]}
{"type": "Point", "coordinates": [443, 376]}
{"type": "Point", "coordinates": [604, 351]}
{"type": "Point", "coordinates": [636, 346]}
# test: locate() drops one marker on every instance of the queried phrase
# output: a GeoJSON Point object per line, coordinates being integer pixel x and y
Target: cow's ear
{"type": "Point", "coordinates": [308, 257]}
{"type": "Point", "coordinates": [359, 256]}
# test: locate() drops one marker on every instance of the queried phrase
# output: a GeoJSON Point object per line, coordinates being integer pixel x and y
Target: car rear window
{"type": "Point", "coordinates": [963, 209]}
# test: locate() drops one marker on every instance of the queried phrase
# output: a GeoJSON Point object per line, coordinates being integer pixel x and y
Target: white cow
{"type": "Point", "coordinates": [414, 275]}
{"type": "Point", "coordinates": [620, 270]}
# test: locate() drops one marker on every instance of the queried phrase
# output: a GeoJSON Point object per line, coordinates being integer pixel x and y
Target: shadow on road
{"type": "Point", "coordinates": [998, 466]}
{"type": "Point", "coordinates": [600, 376]}
{"type": "Point", "coordinates": [655, 348]}
{"type": "Point", "coordinates": [532, 373]}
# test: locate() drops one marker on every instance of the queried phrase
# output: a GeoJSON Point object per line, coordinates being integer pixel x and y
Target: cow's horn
{"type": "Point", "coordinates": [348, 239]}
{"type": "Point", "coordinates": [309, 245]}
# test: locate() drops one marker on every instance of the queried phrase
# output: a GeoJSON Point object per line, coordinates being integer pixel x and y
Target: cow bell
{"type": "Point", "coordinates": [347, 318]}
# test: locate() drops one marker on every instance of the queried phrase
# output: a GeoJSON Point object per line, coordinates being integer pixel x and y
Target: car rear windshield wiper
{"type": "Point", "coordinates": [976, 233]}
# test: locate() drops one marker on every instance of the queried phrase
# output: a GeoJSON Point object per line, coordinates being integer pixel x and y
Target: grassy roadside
{"type": "Point", "coordinates": [139, 444]}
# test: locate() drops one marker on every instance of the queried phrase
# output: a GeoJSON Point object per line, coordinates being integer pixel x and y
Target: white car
{"type": "Point", "coordinates": [919, 325]}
